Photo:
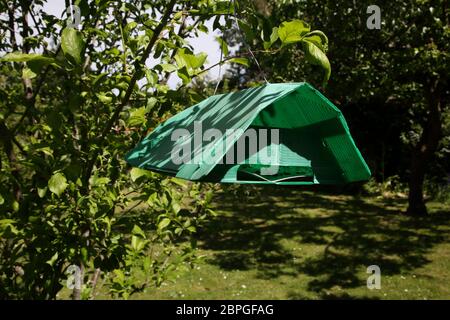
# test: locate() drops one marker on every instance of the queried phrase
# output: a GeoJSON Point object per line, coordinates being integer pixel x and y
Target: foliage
{"type": "Point", "coordinates": [277, 35]}
{"type": "Point", "coordinates": [391, 84]}
{"type": "Point", "coordinates": [391, 187]}
{"type": "Point", "coordinates": [73, 101]}
{"type": "Point", "coordinates": [299, 244]}
{"type": "Point", "coordinates": [315, 43]}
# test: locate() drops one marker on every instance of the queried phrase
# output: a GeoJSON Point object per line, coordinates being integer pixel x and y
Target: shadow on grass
{"type": "Point", "coordinates": [330, 296]}
{"type": "Point", "coordinates": [340, 236]}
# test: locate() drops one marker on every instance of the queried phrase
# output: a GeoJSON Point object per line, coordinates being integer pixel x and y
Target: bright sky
{"type": "Point", "coordinates": [204, 43]}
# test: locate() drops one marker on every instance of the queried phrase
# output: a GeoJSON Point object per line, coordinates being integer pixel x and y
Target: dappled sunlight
{"type": "Point", "coordinates": [338, 236]}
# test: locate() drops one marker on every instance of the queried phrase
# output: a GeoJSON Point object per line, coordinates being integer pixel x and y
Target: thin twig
{"type": "Point", "coordinates": [137, 74]}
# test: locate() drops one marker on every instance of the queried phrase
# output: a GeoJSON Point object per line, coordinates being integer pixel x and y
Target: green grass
{"type": "Point", "coordinates": [282, 243]}
{"type": "Point", "coordinates": [288, 243]}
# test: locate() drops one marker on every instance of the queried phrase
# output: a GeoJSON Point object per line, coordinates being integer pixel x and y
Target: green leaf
{"type": "Point", "coordinates": [96, 181]}
{"type": "Point", "coordinates": [316, 56]}
{"type": "Point", "coordinates": [203, 28]}
{"type": "Point", "coordinates": [223, 46]}
{"type": "Point", "coordinates": [242, 61]}
{"type": "Point", "coordinates": [152, 77]}
{"type": "Point", "coordinates": [272, 39]}
{"type": "Point", "coordinates": [15, 206]}
{"type": "Point", "coordinates": [292, 31]}
{"type": "Point", "coordinates": [27, 57]}
{"type": "Point", "coordinates": [129, 28]}
{"type": "Point", "coordinates": [84, 255]}
{"type": "Point", "coordinates": [137, 243]}
{"type": "Point", "coordinates": [57, 183]}
{"type": "Point", "coordinates": [167, 67]}
{"type": "Point", "coordinates": [274, 35]}
{"type": "Point", "coordinates": [72, 44]}
{"type": "Point", "coordinates": [186, 59]}
{"type": "Point", "coordinates": [136, 173]}
{"type": "Point", "coordinates": [120, 276]}
{"type": "Point", "coordinates": [163, 223]}
{"type": "Point", "coordinates": [42, 192]}
{"type": "Point", "coordinates": [212, 212]}
{"type": "Point", "coordinates": [45, 150]}
{"type": "Point", "coordinates": [176, 207]}
{"type": "Point", "coordinates": [104, 98]}
{"type": "Point", "coordinates": [2, 200]}
{"type": "Point", "coordinates": [162, 88]}
{"type": "Point", "coordinates": [35, 62]}
{"type": "Point", "coordinates": [179, 182]}
{"type": "Point", "coordinates": [222, 7]}
{"type": "Point", "coordinates": [137, 231]}
{"type": "Point", "coordinates": [134, 242]}
{"type": "Point", "coordinates": [151, 102]}
{"type": "Point", "coordinates": [27, 73]}
{"type": "Point", "coordinates": [137, 117]}
{"type": "Point", "coordinates": [184, 75]}
{"type": "Point", "coordinates": [146, 264]}
{"type": "Point", "coordinates": [52, 260]}
{"type": "Point", "coordinates": [8, 224]}
{"type": "Point", "coordinates": [318, 38]}
{"type": "Point", "coordinates": [98, 79]}
{"type": "Point", "coordinates": [178, 15]}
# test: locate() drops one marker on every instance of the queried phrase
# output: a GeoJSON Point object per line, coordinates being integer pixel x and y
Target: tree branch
{"type": "Point", "coordinates": [12, 28]}
{"type": "Point", "coordinates": [174, 52]}
{"type": "Point", "coordinates": [136, 76]}
{"type": "Point", "coordinates": [138, 72]}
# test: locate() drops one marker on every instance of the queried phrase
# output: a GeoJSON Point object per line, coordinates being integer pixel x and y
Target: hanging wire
{"type": "Point", "coordinates": [246, 44]}
{"type": "Point", "coordinates": [220, 66]}
{"type": "Point", "coordinates": [221, 54]}
{"type": "Point", "coordinates": [236, 20]}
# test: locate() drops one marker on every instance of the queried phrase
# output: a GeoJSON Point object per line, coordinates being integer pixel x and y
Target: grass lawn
{"type": "Point", "coordinates": [284, 243]}
{"type": "Point", "coordinates": [288, 243]}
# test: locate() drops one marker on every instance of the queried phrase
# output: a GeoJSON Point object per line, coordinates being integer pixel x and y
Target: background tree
{"type": "Point", "coordinates": [391, 84]}
{"type": "Point", "coordinates": [68, 114]}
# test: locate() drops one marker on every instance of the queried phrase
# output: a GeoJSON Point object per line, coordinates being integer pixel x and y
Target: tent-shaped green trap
{"type": "Point", "coordinates": [287, 134]}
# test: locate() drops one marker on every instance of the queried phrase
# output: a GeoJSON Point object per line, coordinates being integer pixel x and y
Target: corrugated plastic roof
{"type": "Point", "coordinates": [315, 143]}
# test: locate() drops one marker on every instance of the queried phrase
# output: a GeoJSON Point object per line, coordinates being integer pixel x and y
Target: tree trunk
{"type": "Point", "coordinates": [423, 153]}
{"type": "Point", "coordinates": [416, 204]}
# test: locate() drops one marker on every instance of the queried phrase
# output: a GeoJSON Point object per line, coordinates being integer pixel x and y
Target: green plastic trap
{"type": "Point", "coordinates": [287, 134]}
